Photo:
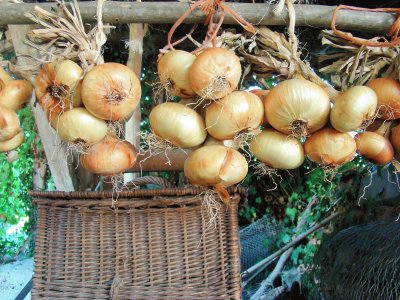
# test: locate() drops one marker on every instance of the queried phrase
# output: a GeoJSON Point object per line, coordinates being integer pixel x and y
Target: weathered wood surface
{"type": "Point", "coordinates": [168, 12]}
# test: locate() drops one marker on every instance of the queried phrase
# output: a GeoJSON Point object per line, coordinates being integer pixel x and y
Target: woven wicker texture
{"type": "Point", "coordinates": [143, 248]}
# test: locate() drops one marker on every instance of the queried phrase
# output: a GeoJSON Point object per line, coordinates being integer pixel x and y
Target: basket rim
{"type": "Point", "coordinates": [132, 193]}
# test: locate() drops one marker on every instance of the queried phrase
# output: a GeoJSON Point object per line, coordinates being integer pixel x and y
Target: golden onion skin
{"type": "Point", "coordinates": [277, 150]}
{"type": "Point", "coordinates": [374, 147]}
{"type": "Point", "coordinates": [13, 143]}
{"type": "Point", "coordinates": [9, 124]}
{"type": "Point", "coordinates": [388, 93]}
{"type": "Point", "coordinates": [15, 94]}
{"type": "Point", "coordinates": [395, 140]}
{"type": "Point", "coordinates": [178, 124]}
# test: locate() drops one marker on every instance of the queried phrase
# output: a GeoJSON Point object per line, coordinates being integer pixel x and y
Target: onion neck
{"type": "Point", "coordinates": [223, 193]}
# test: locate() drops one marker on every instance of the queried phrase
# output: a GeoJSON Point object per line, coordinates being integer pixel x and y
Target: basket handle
{"type": "Point", "coordinates": [161, 182]}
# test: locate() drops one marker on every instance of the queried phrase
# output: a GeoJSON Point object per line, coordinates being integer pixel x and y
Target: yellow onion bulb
{"type": "Point", "coordinates": [111, 91]}
{"type": "Point", "coordinates": [374, 147]}
{"type": "Point", "coordinates": [53, 118]}
{"type": "Point", "coordinates": [9, 124]}
{"type": "Point", "coordinates": [215, 165]}
{"type": "Point", "coordinates": [13, 143]}
{"type": "Point", "coordinates": [15, 94]}
{"type": "Point", "coordinates": [173, 71]}
{"type": "Point", "coordinates": [78, 126]}
{"type": "Point", "coordinates": [277, 150]}
{"type": "Point", "coordinates": [353, 108]}
{"type": "Point", "coordinates": [238, 112]}
{"type": "Point", "coordinates": [227, 143]}
{"type": "Point", "coordinates": [260, 93]}
{"type": "Point", "coordinates": [297, 107]}
{"type": "Point", "coordinates": [178, 124]}
{"type": "Point", "coordinates": [109, 157]}
{"type": "Point", "coordinates": [381, 127]}
{"type": "Point", "coordinates": [388, 93]}
{"type": "Point", "coordinates": [192, 103]}
{"type": "Point", "coordinates": [215, 73]}
{"type": "Point", "coordinates": [5, 78]}
{"type": "Point", "coordinates": [395, 140]}
{"type": "Point", "coordinates": [58, 85]}
{"type": "Point", "coordinates": [330, 147]}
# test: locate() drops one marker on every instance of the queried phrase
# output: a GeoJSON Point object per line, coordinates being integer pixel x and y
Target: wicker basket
{"type": "Point", "coordinates": [154, 244]}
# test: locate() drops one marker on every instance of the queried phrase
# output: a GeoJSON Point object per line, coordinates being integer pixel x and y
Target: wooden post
{"type": "Point", "coordinates": [55, 152]}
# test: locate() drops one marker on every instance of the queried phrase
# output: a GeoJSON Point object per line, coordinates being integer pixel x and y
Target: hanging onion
{"type": "Point", "coordinates": [330, 147]}
{"type": "Point", "coordinates": [297, 107]}
{"type": "Point", "coordinates": [227, 143]}
{"type": "Point", "coordinates": [178, 124]}
{"type": "Point", "coordinates": [260, 93]}
{"type": "Point", "coordinates": [15, 94]}
{"type": "Point", "coordinates": [374, 147]}
{"type": "Point", "coordinates": [111, 91]}
{"type": "Point", "coordinates": [109, 157]}
{"type": "Point", "coordinates": [381, 127]}
{"type": "Point", "coordinates": [238, 112]}
{"type": "Point", "coordinates": [215, 166]}
{"type": "Point", "coordinates": [53, 118]}
{"type": "Point", "coordinates": [78, 126]}
{"type": "Point", "coordinates": [58, 85]}
{"type": "Point", "coordinates": [277, 150]}
{"type": "Point", "coordinates": [353, 109]}
{"type": "Point", "coordinates": [13, 143]}
{"type": "Point", "coordinates": [5, 78]}
{"type": "Point", "coordinates": [395, 140]}
{"type": "Point", "coordinates": [192, 103]}
{"type": "Point", "coordinates": [173, 71]}
{"type": "Point", "coordinates": [388, 92]}
{"type": "Point", "coordinates": [215, 73]}
{"type": "Point", "coordinates": [9, 124]}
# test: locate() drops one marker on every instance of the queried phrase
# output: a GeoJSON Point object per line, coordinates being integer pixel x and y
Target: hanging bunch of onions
{"type": "Point", "coordinates": [173, 71]}
{"type": "Point", "coordinates": [329, 147]}
{"type": "Point", "coordinates": [374, 147]}
{"type": "Point", "coordinates": [277, 150]}
{"type": "Point", "coordinates": [58, 85]}
{"type": "Point", "coordinates": [353, 109]}
{"type": "Point", "coordinates": [395, 140]}
{"type": "Point", "coordinates": [9, 124]}
{"type": "Point", "coordinates": [78, 126]}
{"type": "Point", "coordinates": [388, 92]}
{"type": "Point", "coordinates": [381, 127]}
{"type": "Point", "coordinates": [109, 157]}
{"type": "Point", "coordinates": [12, 143]}
{"type": "Point", "coordinates": [178, 124]}
{"type": "Point", "coordinates": [15, 94]}
{"type": "Point", "coordinates": [297, 107]}
{"type": "Point", "coordinates": [216, 166]}
{"type": "Point", "coordinates": [111, 91]}
{"type": "Point", "coordinates": [236, 113]}
{"type": "Point", "coordinates": [215, 73]}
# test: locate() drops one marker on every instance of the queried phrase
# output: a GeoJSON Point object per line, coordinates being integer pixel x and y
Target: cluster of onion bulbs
{"type": "Point", "coordinates": [13, 95]}
{"type": "Point", "coordinates": [295, 119]}
{"type": "Point", "coordinates": [83, 106]}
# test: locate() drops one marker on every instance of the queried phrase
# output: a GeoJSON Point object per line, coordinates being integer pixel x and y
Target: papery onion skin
{"type": "Point", "coordinates": [381, 127]}
{"type": "Point", "coordinates": [13, 143]}
{"type": "Point", "coordinates": [395, 140]}
{"type": "Point", "coordinates": [16, 94]}
{"type": "Point", "coordinates": [330, 147]}
{"type": "Point", "coordinates": [215, 73]}
{"type": "Point", "coordinates": [277, 150]}
{"type": "Point", "coordinates": [79, 126]}
{"type": "Point", "coordinates": [388, 92]}
{"type": "Point", "coordinates": [215, 165]}
{"type": "Point", "coordinates": [227, 143]}
{"type": "Point", "coordinates": [9, 124]}
{"type": "Point", "coordinates": [353, 108]}
{"type": "Point", "coordinates": [109, 157]}
{"type": "Point", "coordinates": [192, 103]}
{"type": "Point", "coordinates": [58, 85]}
{"type": "Point", "coordinates": [178, 124]}
{"type": "Point", "coordinates": [238, 112]}
{"type": "Point", "coordinates": [297, 101]}
{"type": "Point", "coordinates": [173, 71]}
{"type": "Point", "coordinates": [5, 78]}
{"type": "Point", "coordinates": [374, 147]}
{"type": "Point", "coordinates": [260, 93]}
{"type": "Point", "coordinates": [111, 91]}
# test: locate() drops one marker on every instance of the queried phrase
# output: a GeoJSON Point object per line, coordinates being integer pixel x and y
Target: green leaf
{"type": "Point", "coordinates": [291, 213]}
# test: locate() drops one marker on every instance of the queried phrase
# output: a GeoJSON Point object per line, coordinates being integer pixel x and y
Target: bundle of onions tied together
{"type": "Point", "coordinates": [83, 107]}
{"type": "Point", "coordinates": [13, 96]}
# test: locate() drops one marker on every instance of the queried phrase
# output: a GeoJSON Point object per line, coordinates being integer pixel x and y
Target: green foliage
{"type": "Point", "coordinates": [15, 204]}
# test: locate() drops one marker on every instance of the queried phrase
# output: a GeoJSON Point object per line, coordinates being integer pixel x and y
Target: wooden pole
{"type": "Point", "coordinates": [168, 12]}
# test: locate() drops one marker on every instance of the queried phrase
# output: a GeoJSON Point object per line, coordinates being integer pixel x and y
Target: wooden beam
{"type": "Point", "coordinates": [169, 12]}
{"type": "Point", "coordinates": [160, 163]}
